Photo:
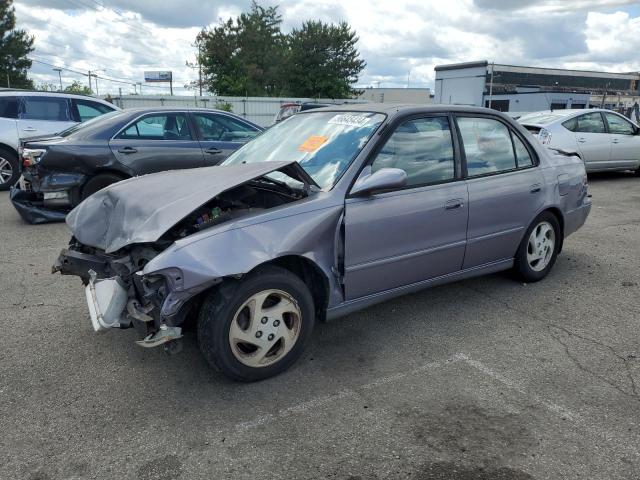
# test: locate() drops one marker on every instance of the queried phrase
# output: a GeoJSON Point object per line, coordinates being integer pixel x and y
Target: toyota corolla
{"type": "Point", "coordinates": [326, 213]}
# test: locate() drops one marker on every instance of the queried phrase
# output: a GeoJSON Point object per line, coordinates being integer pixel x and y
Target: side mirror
{"type": "Point", "coordinates": [383, 179]}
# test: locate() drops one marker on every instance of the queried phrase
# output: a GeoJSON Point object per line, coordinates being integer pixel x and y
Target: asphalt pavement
{"type": "Point", "coordinates": [482, 379]}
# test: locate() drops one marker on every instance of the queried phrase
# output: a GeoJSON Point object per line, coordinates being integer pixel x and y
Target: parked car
{"type": "Point", "coordinates": [288, 109]}
{"type": "Point", "coordinates": [332, 211]}
{"type": "Point", "coordinates": [25, 114]}
{"type": "Point", "coordinates": [604, 139]}
{"type": "Point", "coordinates": [61, 171]}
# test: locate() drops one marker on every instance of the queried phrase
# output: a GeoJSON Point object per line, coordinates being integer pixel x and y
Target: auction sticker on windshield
{"type": "Point", "coordinates": [349, 120]}
{"type": "Point", "coordinates": [313, 143]}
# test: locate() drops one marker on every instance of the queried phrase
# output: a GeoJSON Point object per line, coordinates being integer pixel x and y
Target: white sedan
{"type": "Point", "coordinates": [605, 140]}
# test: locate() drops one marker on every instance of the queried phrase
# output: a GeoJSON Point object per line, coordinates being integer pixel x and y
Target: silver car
{"type": "Point", "coordinates": [328, 212]}
{"type": "Point", "coordinates": [604, 139]}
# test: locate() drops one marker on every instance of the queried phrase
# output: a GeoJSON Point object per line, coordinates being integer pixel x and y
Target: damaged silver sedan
{"type": "Point", "coordinates": [326, 213]}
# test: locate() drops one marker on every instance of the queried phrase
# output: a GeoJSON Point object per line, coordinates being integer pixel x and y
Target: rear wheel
{"type": "Point", "coordinates": [258, 327]}
{"type": "Point", "coordinates": [98, 183]}
{"type": "Point", "coordinates": [9, 172]}
{"type": "Point", "coordinates": [539, 248]}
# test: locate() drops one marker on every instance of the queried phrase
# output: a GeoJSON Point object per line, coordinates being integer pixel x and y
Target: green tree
{"type": "Point", "coordinates": [323, 60]}
{"type": "Point", "coordinates": [77, 88]}
{"type": "Point", "coordinates": [15, 45]}
{"type": "Point", "coordinates": [243, 56]}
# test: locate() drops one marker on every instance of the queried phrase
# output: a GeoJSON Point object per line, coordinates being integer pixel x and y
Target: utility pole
{"type": "Point", "coordinates": [171, 84]}
{"type": "Point", "coordinates": [140, 85]}
{"type": "Point", "coordinates": [96, 77]}
{"type": "Point", "coordinates": [59, 70]}
{"type": "Point", "coordinates": [90, 82]}
{"type": "Point", "coordinates": [200, 67]}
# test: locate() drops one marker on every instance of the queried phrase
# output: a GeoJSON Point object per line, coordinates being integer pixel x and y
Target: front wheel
{"type": "Point", "coordinates": [539, 248]}
{"type": "Point", "coordinates": [9, 171]}
{"type": "Point", "coordinates": [258, 327]}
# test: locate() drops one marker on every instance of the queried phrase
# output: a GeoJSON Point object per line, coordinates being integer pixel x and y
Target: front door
{"type": "Point", "coordinates": [625, 142]}
{"type": "Point", "coordinates": [400, 237]}
{"type": "Point", "coordinates": [221, 135]}
{"type": "Point", "coordinates": [593, 141]}
{"type": "Point", "coordinates": [157, 142]}
{"type": "Point", "coordinates": [506, 189]}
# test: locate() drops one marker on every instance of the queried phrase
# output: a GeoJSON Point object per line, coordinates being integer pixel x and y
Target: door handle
{"type": "Point", "coordinates": [453, 204]}
{"type": "Point", "coordinates": [127, 150]}
{"type": "Point", "coordinates": [29, 129]}
{"type": "Point", "coordinates": [581, 140]}
{"type": "Point", "coordinates": [535, 188]}
{"type": "Point", "coordinates": [213, 151]}
{"type": "Point", "coordinates": [615, 140]}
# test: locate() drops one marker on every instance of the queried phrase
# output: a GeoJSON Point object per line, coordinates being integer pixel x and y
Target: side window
{"type": "Point", "coordinates": [88, 109]}
{"type": "Point", "coordinates": [8, 107]}
{"type": "Point", "coordinates": [487, 146]}
{"type": "Point", "coordinates": [423, 148]}
{"type": "Point", "coordinates": [523, 157]}
{"type": "Point", "coordinates": [590, 123]}
{"type": "Point", "coordinates": [619, 125]}
{"type": "Point", "coordinates": [223, 128]}
{"type": "Point", "coordinates": [169, 126]}
{"type": "Point", "coordinates": [52, 109]}
{"type": "Point", "coordinates": [571, 124]}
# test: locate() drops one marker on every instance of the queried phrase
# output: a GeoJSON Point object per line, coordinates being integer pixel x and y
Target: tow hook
{"type": "Point", "coordinates": [162, 336]}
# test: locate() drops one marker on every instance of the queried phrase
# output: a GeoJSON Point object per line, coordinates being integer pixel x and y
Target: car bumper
{"type": "Point", "coordinates": [575, 219]}
{"type": "Point", "coordinates": [33, 209]}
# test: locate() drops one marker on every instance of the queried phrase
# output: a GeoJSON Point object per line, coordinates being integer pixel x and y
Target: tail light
{"type": "Point", "coordinates": [31, 156]}
{"type": "Point", "coordinates": [544, 136]}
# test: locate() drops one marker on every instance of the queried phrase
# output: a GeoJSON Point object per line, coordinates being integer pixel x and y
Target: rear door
{"type": "Point", "coordinates": [592, 140]}
{"type": "Point", "coordinates": [156, 142]}
{"type": "Point", "coordinates": [220, 135]}
{"type": "Point", "coordinates": [506, 188]}
{"type": "Point", "coordinates": [625, 142]}
{"type": "Point", "coordinates": [40, 115]}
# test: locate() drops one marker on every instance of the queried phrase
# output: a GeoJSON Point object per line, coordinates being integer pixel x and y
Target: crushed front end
{"type": "Point", "coordinates": [119, 296]}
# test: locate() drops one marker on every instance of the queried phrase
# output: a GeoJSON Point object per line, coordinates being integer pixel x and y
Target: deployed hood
{"type": "Point", "coordinates": [142, 209]}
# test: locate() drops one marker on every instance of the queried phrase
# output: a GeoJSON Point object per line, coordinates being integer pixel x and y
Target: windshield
{"type": "Point", "coordinates": [323, 143]}
{"type": "Point", "coordinates": [78, 126]}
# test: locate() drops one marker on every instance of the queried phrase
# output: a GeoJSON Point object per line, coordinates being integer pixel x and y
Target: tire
{"type": "Point", "coordinates": [98, 183]}
{"type": "Point", "coordinates": [547, 228]}
{"type": "Point", "coordinates": [248, 345]}
{"type": "Point", "coordinates": [9, 168]}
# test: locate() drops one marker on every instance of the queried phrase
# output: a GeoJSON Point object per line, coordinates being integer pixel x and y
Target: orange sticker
{"type": "Point", "coordinates": [312, 143]}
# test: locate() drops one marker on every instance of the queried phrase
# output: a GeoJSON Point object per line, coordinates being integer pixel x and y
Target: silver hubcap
{"type": "Point", "coordinates": [265, 328]}
{"type": "Point", "coordinates": [541, 246]}
{"type": "Point", "coordinates": [6, 170]}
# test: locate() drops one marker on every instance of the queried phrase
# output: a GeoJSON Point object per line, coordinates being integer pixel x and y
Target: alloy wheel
{"type": "Point", "coordinates": [265, 328]}
{"type": "Point", "coordinates": [6, 170]}
{"type": "Point", "coordinates": [541, 246]}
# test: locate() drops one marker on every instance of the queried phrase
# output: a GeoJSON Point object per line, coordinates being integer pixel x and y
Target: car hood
{"type": "Point", "coordinates": [142, 209]}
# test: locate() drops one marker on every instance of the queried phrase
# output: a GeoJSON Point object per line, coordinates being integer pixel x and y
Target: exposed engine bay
{"type": "Point", "coordinates": [120, 296]}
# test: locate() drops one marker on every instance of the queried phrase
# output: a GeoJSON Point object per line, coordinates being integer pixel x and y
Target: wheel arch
{"type": "Point", "coordinates": [8, 147]}
{"type": "Point", "coordinates": [310, 273]}
{"type": "Point", "coordinates": [560, 217]}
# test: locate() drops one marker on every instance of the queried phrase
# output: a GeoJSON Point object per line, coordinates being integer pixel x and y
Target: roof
{"type": "Point", "coordinates": [456, 66]}
{"type": "Point", "coordinates": [393, 108]}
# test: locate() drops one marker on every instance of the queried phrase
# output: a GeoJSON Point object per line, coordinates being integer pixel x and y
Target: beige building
{"type": "Point", "coordinates": [397, 95]}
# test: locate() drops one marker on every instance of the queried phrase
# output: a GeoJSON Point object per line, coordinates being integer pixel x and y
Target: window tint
{"type": "Point", "coordinates": [487, 146]}
{"type": "Point", "coordinates": [589, 123]}
{"type": "Point", "coordinates": [422, 148]}
{"type": "Point", "coordinates": [223, 128]}
{"type": "Point", "coordinates": [170, 126]}
{"type": "Point", "coordinates": [619, 125]}
{"type": "Point", "coordinates": [522, 154]}
{"type": "Point", "coordinates": [45, 108]}
{"type": "Point", "coordinates": [9, 107]}
{"type": "Point", "coordinates": [88, 109]}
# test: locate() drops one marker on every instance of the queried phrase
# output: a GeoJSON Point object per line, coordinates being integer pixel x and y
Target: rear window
{"type": "Point", "coordinates": [9, 107]}
{"type": "Point", "coordinates": [45, 108]}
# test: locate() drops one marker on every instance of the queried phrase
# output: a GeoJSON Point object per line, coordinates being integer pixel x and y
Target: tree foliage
{"type": "Point", "coordinates": [77, 88]}
{"type": "Point", "coordinates": [249, 55]}
{"type": "Point", "coordinates": [15, 45]}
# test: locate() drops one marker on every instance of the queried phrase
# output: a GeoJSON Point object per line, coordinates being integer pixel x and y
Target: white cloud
{"type": "Point", "coordinates": [396, 36]}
